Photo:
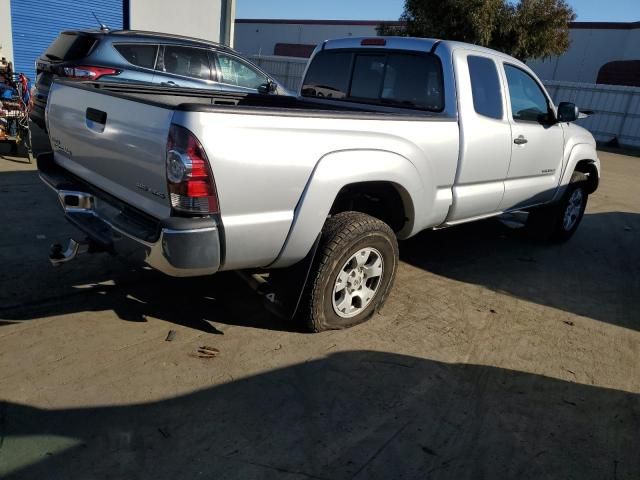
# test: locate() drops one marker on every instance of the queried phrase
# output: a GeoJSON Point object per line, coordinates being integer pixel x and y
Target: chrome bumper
{"type": "Point", "coordinates": [180, 247]}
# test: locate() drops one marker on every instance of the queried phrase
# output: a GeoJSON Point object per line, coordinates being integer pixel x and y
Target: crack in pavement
{"type": "Point", "coordinates": [379, 451]}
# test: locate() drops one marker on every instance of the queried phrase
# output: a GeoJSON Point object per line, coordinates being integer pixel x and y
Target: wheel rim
{"type": "Point", "coordinates": [357, 282]}
{"type": "Point", "coordinates": [573, 209]}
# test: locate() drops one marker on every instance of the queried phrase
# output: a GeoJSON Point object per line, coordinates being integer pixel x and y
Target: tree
{"type": "Point", "coordinates": [525, 29]}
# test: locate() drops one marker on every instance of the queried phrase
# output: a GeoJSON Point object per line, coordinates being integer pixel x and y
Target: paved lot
{"type": "Point", "coordinates": [494, 358]}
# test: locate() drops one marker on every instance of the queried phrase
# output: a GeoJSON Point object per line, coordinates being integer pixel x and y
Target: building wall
{"type": "Point", "coordinates": [207, 19]}
{"type": "Point", "coordinates": [6, 40]}
{"type": "Point", "coordinates": [592, 43]}
{"type": "Point", "coordinates": [259, 37]}
{"type": "Point", "coordinates": [590, 49]}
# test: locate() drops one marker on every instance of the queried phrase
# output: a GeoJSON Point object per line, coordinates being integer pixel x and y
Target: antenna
{"type": "Point", "coordinates": [103, 27]}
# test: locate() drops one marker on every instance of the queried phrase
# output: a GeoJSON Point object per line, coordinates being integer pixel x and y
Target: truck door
{"type": "Point", "coordinates": [537, 142]}
{"type": "Point", "coordinates": [485, 137]}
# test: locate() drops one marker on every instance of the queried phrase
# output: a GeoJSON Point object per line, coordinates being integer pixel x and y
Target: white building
{"type": "Point", "coordinates": [295, 38]}
{"type": "Point", "coordinates": [593, 45]}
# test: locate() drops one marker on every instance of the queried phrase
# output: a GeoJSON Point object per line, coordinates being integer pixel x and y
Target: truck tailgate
{"type": "Point", "coordinates": [115, 144]}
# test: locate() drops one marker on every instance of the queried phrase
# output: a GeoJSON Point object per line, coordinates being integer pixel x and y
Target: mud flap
{"type": "Point", "coordinates": [285, 287]}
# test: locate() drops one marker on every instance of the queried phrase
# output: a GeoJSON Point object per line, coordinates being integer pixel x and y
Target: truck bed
{"type": "Point", "coordinates": [196, 100]}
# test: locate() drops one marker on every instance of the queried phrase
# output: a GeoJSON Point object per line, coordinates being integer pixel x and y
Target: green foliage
{"type": "Point", "coordinates": [525, 29]}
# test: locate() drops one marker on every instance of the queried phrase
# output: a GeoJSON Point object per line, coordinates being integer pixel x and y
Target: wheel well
{"type": "Point", "coordinates": [382, 200]}
{"type": "Point", "coordinates": [588, 167]}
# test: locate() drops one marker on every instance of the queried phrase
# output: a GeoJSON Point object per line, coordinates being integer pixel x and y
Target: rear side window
{"type": "Point", "coordinates": [188, 62]}
{"type": "Point", "coordinates": [485, 86]}
{"type": "Point", "coordinates": [139, 54]}
{"type": "Point", "coordinates": [395, 79]}
{"type": "Point", "coordinates": [70, 46]}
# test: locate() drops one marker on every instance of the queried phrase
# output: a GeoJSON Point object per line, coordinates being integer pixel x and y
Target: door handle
{"type": "Point", "coordinates": [97, 116]}
{"type": "Point", "coordinates": [169, 84]}
{"type": "Point", "coordinates": [520, 140]}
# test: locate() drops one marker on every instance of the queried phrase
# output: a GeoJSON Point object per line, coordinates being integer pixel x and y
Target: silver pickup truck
{"type": "Point", "coordinates": [388, 137]}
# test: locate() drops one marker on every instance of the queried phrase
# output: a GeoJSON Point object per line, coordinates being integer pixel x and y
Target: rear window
{"type": "Point", "coordinates": [328, 75]}
{"type": "Point", "coordinates": [389, 78]}
{"type": "Point", "coordinates": [70, 46]}
{"type": "Point", "coordinates": [139, 54]}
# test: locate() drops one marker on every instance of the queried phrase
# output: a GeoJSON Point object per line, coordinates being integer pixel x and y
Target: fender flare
{"type": "Point", "coordinates": [337, 170]}
{"type": "Point", "coordinates": [578, 153]}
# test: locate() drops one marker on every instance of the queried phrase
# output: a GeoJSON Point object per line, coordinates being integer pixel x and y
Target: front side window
{"type": "Point", "coordinates": [485, 86]}
{"type": "Point", "coordinates": [394, 79]}
{"type": "Point", "coordinates": [142, 55]}
{"type": "Point", "coordinates": [188, 62]}
{"type": "Point", "coordinates": [528, 102]}
{"type": "Point", "coordinates": [235, 72]}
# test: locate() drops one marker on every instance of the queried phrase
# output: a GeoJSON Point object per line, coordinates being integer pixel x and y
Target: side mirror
{"type": "Point", "coordinates": [268, 87]}
{"type": "Point", "coordinates": [567, 112]}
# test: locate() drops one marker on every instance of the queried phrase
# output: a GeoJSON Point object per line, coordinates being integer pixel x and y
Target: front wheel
{"type": "Point", "coordinates": [559, 222]}
{"type": "Point", "coordinates": [353, 272]}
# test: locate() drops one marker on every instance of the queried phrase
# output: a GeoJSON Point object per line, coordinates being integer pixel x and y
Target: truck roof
{"type": "Point", "coordinates": [408, 43]}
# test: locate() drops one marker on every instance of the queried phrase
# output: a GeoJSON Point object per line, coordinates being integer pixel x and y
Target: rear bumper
{"type": "Point", "coordinates": [180, 247]}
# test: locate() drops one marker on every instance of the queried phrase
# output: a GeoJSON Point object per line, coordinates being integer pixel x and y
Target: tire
{"type": "Point", "coordinates": [354, 246]}
{"type": "Point", "coordinates": [557, 223]}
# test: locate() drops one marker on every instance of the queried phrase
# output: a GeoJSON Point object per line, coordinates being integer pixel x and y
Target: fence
{"type": "Point", "coordinates": [287, 70]}
{"type": "Point", "coordinates": [616, 108]}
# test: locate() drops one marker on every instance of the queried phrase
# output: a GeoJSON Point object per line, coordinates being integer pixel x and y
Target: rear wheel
{"type": "Point", "coordinates": [353, 272]}
{"type": "Point", "coordinates": [558, 222]}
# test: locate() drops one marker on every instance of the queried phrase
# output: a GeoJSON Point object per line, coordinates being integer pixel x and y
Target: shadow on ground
{"type": "Point", "coordinates": [596, 274]}
{"type": "Point", "coordinates": [351, 415]}
{"type": "Point", "coordinates": [31, 288]}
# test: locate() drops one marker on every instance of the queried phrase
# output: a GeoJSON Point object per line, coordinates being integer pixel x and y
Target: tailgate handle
{"type": "Point", "coordinates": [97, 116]}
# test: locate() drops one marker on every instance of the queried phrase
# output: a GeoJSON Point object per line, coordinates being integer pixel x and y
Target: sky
{"type": "Point", "coordinates": [587, 10]}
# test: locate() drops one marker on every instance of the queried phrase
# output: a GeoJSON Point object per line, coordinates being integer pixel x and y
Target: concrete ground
{"type": "Point", "coordinates": [494, 357]}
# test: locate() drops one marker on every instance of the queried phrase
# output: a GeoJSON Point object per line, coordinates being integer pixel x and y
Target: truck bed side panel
{"type": "Point", "coordinates": [262, 165]}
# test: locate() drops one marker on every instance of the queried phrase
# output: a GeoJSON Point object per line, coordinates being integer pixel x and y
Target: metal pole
{"type": "Point", "coordinates": [227, 21]}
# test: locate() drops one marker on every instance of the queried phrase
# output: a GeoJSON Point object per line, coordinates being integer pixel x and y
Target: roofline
{"type": "Point", "coordinates": [159, 35]}
{"type": "Point", "coordinates": [375, 23]}
{"type": "Point", "coordinates": [167, 35]}
{"type": "Point", "coordinates": [605, 25]}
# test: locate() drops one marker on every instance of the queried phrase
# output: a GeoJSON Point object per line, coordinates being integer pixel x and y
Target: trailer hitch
{"type": "Point", "coordinates": [59, 255]}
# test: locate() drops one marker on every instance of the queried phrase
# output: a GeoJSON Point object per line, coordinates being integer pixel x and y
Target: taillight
{"type": "Point", "coordinates": [85, 72]}
{"type": "Point", "coordinates": [191, 185]}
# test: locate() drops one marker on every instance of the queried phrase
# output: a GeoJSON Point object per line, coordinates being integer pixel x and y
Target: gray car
{"type": "Point", "coordinates": [128, 56]}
